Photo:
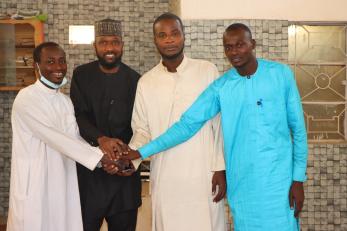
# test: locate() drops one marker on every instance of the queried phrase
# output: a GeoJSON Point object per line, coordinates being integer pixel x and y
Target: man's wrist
{"type": "Point", "coordinates": [100, 138]}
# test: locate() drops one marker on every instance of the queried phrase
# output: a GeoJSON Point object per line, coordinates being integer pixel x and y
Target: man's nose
{"type": "Point", "coordinates": [60, 66]}
{"type": "Point", "coordinates": [109, 47]}
{"type": "Point", "coordinates": [233, 50]}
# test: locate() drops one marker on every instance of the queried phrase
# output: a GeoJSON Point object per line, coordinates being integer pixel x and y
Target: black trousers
{"type": "Point", "coordinates": [113, 198]}
{"type": "Point", "coordinates": [123, 221]}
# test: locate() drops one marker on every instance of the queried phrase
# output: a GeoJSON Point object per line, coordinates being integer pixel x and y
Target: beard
{"type": "Point", "coordinates": [174, 56]}
{"type": "Point", "coordinates": [109, 65]}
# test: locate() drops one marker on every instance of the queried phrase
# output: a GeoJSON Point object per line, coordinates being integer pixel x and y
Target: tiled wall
{"type": "Point", "coordinates": [6, 101]}
{"type": "Point", "coordinates": [204, 39]}
{"type": "Point", "coordinates": [326, 188]}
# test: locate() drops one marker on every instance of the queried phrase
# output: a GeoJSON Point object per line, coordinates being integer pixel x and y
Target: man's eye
{"type": "Point", "coordinates": [162, 36]}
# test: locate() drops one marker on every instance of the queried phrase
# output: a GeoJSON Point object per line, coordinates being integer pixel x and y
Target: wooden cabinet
{"type": "Point", "coordinates": [18, 38]}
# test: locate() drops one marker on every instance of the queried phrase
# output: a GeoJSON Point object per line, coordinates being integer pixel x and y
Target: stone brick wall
{"type": "Point", "coordinates": [326, 188]}
{"type": "Point", "coordinates": [204, 39]}
{"type": "Point", "coordinates": [6, 101]}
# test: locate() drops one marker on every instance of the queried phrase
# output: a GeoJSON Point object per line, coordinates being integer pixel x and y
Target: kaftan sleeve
{"type": "Point", "coordinates": [87, 129]}
{"type": "Point", "coordinates": [218, 162]}
{"type": "Point", "coordinates": [204, 108]}
{"type": "Point", "coordinates": [139, 124]}
{"type": "Point", "coordinates": [66, 144]}
{"type": "Point", "coordinates": [296, 124]}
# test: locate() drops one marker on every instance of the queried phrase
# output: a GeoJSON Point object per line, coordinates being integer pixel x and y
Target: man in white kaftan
{"type": "Point", "coordinates": [181, 183]}
{"type": "Point", "coordinates": [44, 192]}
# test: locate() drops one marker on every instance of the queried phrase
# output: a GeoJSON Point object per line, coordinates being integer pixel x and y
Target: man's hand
{"type": "Point", "coordinates": [125, 167]}
{"type": "Point", "coordinates": [296, 197]}
{"type": "Point", "coordinates": [109, 165]}
{"type": "Point", "coordinates": [129, 155]}
{"type": "Point", "coordinates": [110, 146]}
{"type": "Point", "coordinates": [218, 179]}
{"type": "Point", "coordinates": [119, 167]}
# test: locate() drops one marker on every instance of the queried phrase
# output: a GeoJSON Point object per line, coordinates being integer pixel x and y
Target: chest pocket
{"type": "Point", "coordinates": [271, 111]}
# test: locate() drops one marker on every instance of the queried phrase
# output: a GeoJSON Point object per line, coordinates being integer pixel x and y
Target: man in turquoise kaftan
{"type": "Point", "coordinates": [264, 136]}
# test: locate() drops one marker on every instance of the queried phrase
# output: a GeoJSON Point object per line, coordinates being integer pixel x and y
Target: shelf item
{"type": "Point", "coordinates": [18, 38]}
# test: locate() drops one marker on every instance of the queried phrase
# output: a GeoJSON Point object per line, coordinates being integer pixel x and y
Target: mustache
{"type": "Point", "coordinates": [109, 65]}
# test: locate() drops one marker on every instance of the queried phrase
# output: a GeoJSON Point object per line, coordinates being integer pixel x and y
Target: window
{"type": "Point", "coordinates": [317, 54]}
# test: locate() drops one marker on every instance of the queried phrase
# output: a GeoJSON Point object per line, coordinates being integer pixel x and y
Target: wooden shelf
{"type": "Point", "coordinates": [25, 47]}
{"type": "Point", "coordinates": [18, 67]}
{"type": "Point", "coordinates": [11, 88]}
{"type": "Point", "coordinates": [18, 42]}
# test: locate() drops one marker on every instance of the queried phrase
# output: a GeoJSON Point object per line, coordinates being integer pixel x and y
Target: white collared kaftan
{"type": "Point", "coordinates": [44, 190]}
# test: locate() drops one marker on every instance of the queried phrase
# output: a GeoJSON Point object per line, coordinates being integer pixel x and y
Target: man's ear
{"type": "Point", "coordinates": [36, 69]}
{"type": "Point", "coordinates": [254, 43]}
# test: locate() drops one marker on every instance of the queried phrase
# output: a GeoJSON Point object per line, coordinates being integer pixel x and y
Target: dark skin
{"type": "Point", "coordinates": [109, 50]}
{"type": "Point", "coordinates": [169, 40]}
{"type": "Point", "coordinates": [52, 64]}
{"type": "Point", "coordinates": [53, 67]}
{"type": "Point", "coordinates": [238, 47]}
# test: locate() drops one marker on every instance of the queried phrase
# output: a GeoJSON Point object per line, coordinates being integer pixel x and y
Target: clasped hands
{"type": "Point", "coordinates": [111, 162]}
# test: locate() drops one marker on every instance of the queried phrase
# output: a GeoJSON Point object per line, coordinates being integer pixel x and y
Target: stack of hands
{"type": "Point", "coordinates": [117, 160]}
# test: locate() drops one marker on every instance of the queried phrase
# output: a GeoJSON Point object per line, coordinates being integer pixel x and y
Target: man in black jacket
{"type": "Point", "coordinates": [103, 94]}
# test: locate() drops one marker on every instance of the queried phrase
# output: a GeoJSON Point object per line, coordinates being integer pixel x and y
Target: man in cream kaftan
{"type": "Point", "coordinates": [181, 184]}
{"type": "Point", "coordinates": [44, 189]}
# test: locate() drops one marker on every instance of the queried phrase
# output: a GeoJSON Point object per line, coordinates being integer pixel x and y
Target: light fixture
{"type": "Point", "coordinates": [81, 34]}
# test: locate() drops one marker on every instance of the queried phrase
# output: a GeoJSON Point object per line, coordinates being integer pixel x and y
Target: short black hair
{"type": "Point", "coordinates": [38, 50]}
{"type": "Point", "coordinates": [168, 15]}
{"type": "Point", "coordinates": [239, 26]}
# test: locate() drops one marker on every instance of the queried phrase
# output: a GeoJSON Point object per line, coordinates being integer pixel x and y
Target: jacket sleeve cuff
{"type": "Point", "coordinates": [299, 174]}
{"type": "Point", "coordinates": [94, 160]}
{"type": "Point", "coordinates": [144, 152]}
